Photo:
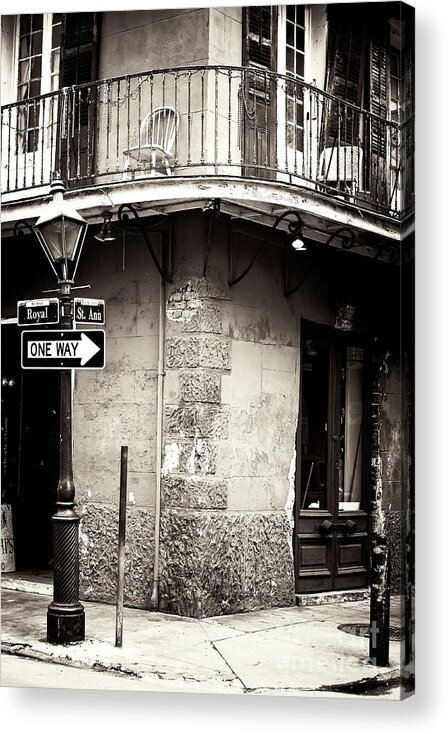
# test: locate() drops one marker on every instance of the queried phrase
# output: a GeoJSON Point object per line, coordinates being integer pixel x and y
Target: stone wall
{"type": "Point", "coordinates": [231, 395]}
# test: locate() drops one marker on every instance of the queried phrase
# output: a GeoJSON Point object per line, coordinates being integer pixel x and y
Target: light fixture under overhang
{"type": "Point", "coordinates": [298, 244]}
{"type": "Point", "coordinates": [105, 233]}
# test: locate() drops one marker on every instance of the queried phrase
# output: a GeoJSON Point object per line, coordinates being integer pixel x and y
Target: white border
{"type": "Point", "coordinates": [38, 710]}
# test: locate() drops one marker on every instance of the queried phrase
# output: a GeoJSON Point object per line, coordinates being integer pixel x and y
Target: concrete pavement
{"type": "Point", "coordinates": [287, 651]}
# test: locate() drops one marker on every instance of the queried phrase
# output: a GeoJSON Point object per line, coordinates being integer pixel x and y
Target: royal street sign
{"type": "Point", "coordinates": [89, 311]}
{"type": "Point", "coordinates": [59, 350]}
{"type": "Point", "coordinates": [39, 311]}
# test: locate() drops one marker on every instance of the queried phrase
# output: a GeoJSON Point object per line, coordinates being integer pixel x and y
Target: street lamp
{"type": "Point", "coordinates": [61, 231]}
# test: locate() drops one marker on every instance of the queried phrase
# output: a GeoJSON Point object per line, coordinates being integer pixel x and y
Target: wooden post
{"type": "Point", "coordinates": [121, 547]}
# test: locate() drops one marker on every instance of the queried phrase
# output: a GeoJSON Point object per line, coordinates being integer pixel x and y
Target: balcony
{"type": "Point", "coordinates": [208, 121]}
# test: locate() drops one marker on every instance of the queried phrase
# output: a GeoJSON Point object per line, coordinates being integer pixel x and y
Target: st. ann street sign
{"type": "Point", "coordinates": [56, 350]}
{"type": "Point", "coordinates": [39, 311]}
{"type": "Point", "coordinates": [88, 311]}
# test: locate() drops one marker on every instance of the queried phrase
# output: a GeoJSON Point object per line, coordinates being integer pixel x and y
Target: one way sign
{"type": "Point", "coordinates": [59, 350]}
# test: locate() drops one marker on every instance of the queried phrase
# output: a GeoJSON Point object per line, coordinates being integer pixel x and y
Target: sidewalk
{"type": "Point", "coordinates": [288, 651]}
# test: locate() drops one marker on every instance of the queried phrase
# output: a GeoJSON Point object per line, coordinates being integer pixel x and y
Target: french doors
{"type": "Point", "coordinates": [331, 524]}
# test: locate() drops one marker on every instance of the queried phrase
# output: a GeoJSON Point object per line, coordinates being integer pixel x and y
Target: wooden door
{"type": "Point", "coordinates": [331, 531]}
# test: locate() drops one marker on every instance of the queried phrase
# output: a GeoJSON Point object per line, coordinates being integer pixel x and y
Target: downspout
{"type": "Point", "coordinates": [159, 428]}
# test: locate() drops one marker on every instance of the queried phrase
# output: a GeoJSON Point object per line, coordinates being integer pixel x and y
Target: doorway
{"type": "Point", "coordinates": [331, 523]}
{"type": "Point", "coordinates": [30, 453]}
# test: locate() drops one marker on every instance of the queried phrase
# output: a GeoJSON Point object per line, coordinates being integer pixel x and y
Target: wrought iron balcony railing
{"type": "Point", "coordinates": [213, 121]}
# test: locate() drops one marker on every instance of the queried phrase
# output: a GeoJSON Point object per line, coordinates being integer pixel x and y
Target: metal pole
{"type": "Point", "coordinates": [121, 547]}
{"type": "Point", "coordinates": [65, 616]}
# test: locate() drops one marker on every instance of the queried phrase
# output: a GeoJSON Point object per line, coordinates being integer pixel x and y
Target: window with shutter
{"type": "Point", "coordinates": [258, 41]}
{"type": "Point", "coordinates": [54, 50]}
{"type": "Point", "coordinates": [78, 63]}
{"type": "Point", "coordinates": [79, 58]}
{"type": "Point", "coordinates": [257, 103]}
{"type": "Point", "coordinates": [345, 74]}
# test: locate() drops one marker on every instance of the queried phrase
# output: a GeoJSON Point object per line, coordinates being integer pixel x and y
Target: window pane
{"type": "Point", "coordinates": [290, 12]}
{"type": "Point", "coordinates": [300, 64]}
{"type": "Point", "coordinates": [33, 138]}
{"type": "Point", "coordinates": [300, 39]}
{"type": "Point", "coordinates": [289, 59]}
{"type": "Point", "coordinates": [55, 59]}
{"type": "Point", "coordinates": [37, 21]}
{"type": "Point", "coordinates": [300, 14]}
{"type": "Point", "coordinates": [25, 24]}
{"type": "Point", "coordinates": [36, 43]}
{"type": "Point", "coordinates": [25, 47]}
{"type": "Point", "coordinates": [56, 36]}
{"type": "Point", "coordinates": [290, 34]}
{"type": "Point", "coordinates": [23, 92]}
{"type": "Point", "coordinates": [315, 361]}
{"type": "Point", "coordinates": [24, 71]}
{"type": "Point", "coordinates": [36, 67]}
{"type": "Point", "coordinates": [35, 88]}
{"type": "Point", "coordinates": [33, 115]}
{"type": "Point", "coordinates": [394, 65]}
{"type": "Point", "coordinates": [353, 428]}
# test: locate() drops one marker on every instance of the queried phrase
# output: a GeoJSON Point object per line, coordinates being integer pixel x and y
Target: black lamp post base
{"type": "Point", "coordinates": [65, 625]}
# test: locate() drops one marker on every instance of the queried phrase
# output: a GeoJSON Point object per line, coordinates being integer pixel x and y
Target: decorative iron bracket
{"type": "Point", "coordinates": [347, 238]}
{"type": "Point", "coordinates": [165, 273]}
{"type": "Point", "coordinates": [295, 231]}
{"type": "Point", "coordinates": [20, 225]}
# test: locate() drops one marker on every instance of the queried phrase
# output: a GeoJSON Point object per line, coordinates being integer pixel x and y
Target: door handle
{"type": "Point", "coordinates": [325, 527]}
{"type": "Point", "coordinates": [348, 527]}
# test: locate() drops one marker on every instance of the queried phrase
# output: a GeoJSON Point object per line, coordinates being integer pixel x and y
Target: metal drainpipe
{"type": "Point", "coordinates": [159, 427]}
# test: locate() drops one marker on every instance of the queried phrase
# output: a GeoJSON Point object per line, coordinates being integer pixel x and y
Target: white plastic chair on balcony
{"type": "Point", "coordinates": [341, 169]}
{"type": "Point", "coordinates": [157, 136]}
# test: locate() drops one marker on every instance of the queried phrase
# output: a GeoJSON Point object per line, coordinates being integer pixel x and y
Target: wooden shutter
{"type": "Point", "coordinates": [408, 96]}
{"type": "Point", "coordinates": [79, 49]}
{"type": "Point", "coordinates": [345, 72]}
{"type": "Point", "coordinates": [258, 90]}
{"type": "Point", "coordinates": [378, 94]}
{"type": "Point", "coordinates": [259, 37]}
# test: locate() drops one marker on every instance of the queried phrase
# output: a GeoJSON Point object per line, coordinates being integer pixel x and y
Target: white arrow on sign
{"type": "Point", "coordinates": [83, 349]}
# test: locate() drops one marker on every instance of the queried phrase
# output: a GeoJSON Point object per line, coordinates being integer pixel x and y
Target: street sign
{"type": "Point", "coordinates": [39, 311]}
{"type": "Point", "coordinates": [59, 350]}
{"type": "Point", "coordinates": [89, 311]}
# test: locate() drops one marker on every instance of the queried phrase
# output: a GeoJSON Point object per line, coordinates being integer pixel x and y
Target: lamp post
{"type": "Point", "coordinates": [61, 231]}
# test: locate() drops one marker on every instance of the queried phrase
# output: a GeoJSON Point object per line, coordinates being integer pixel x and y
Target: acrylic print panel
{"type": "Point", "coordinates": [227, 505]}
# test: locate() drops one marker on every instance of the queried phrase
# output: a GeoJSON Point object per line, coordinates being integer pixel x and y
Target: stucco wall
{"type": "Point", "coordinates": [8, 82]}
{"type": "Point", "coordinates": [141, 40]}
{"type": "Point", "coordinates": [114, 407]}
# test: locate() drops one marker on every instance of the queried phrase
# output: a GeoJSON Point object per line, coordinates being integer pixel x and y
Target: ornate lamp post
{"type": "Point", "coordinates": [61, 231]}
